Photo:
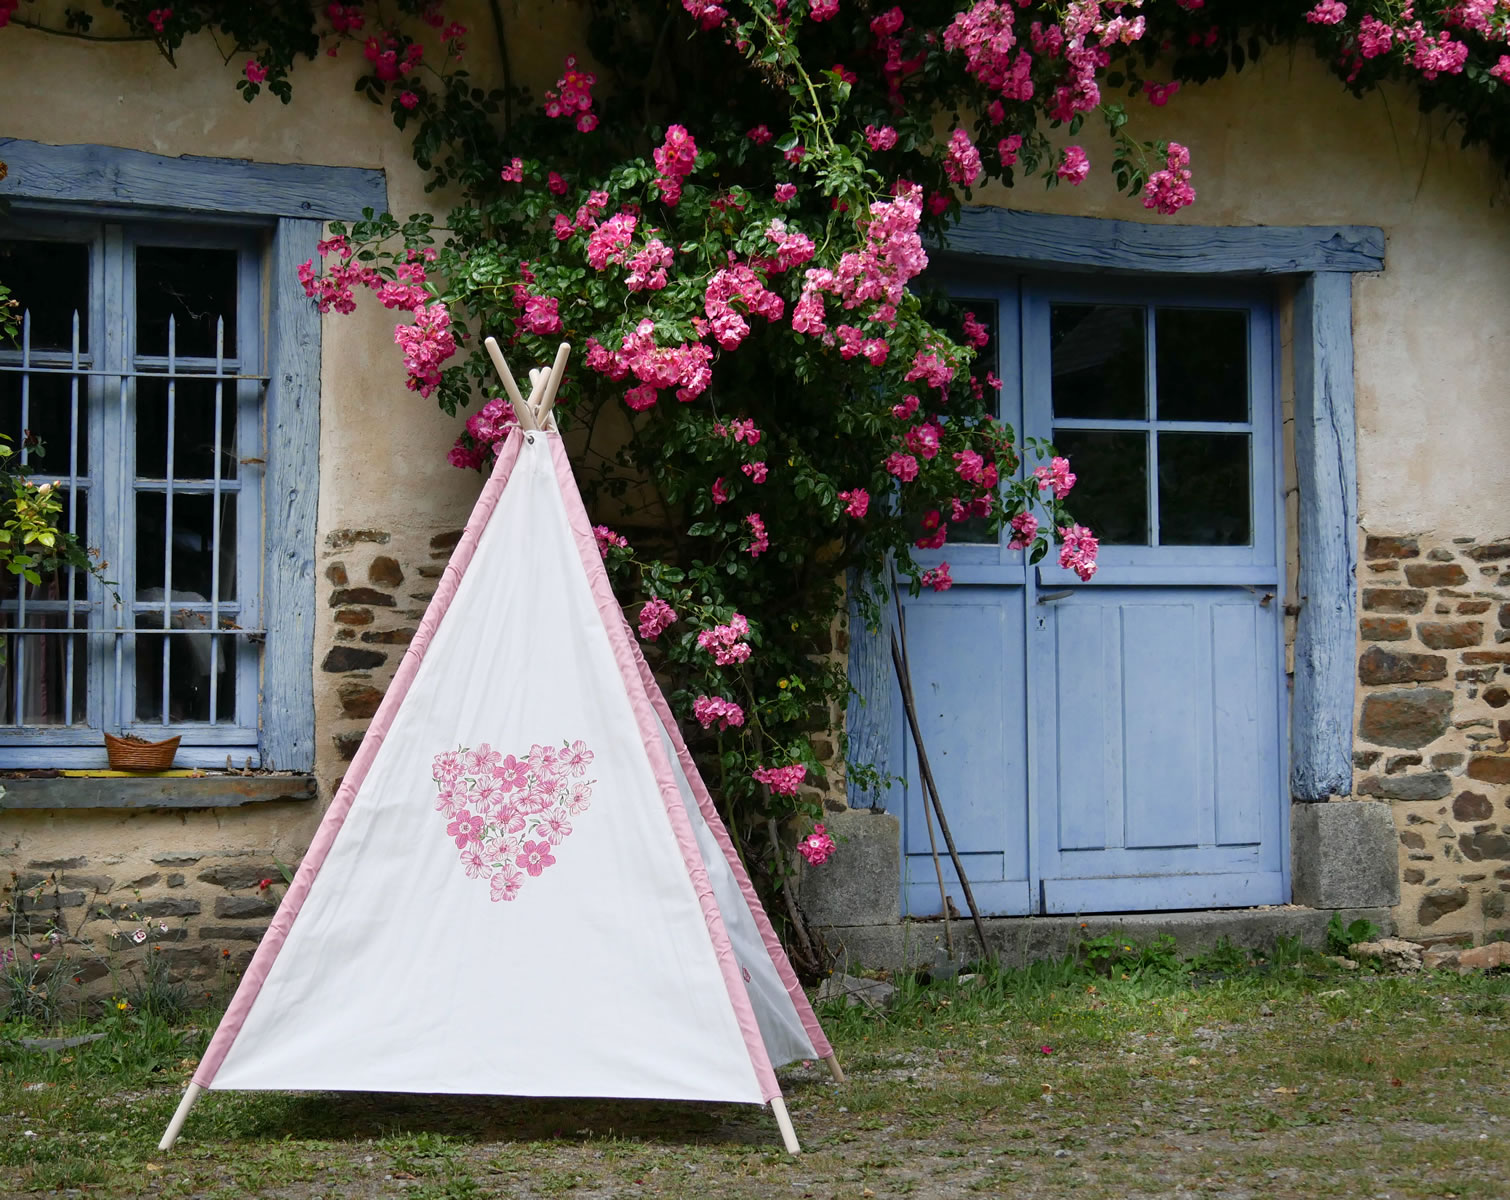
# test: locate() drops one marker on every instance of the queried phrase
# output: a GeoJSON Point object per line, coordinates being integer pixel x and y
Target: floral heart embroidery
{"type": "Point", "coordinates": [508, 815]}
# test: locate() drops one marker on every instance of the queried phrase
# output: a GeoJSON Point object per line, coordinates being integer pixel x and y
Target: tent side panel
{"type": "Point", "coordinates": [649, 729]}
{"type": "Point", "coordinates": [786, 1038]}
{"type": "Point", "coordinates": [715, 824]}
{"type": "Point", "coordinates": [335, 815]}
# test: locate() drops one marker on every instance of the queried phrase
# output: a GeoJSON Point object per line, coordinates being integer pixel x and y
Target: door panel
{"type": "Point", "coordinates": [1157, 748]}
{"type": "Point", "coordinates": [965, 650]}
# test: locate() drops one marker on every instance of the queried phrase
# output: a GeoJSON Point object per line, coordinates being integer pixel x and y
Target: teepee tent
{"type": "Point", "coordinates": [521, 886]}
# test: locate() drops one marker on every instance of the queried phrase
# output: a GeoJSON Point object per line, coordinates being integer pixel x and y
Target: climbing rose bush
{"type": "Point", "coordinates": [729, 209]}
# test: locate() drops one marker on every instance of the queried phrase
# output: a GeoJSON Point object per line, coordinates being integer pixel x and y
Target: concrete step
{"type": "Point", "coordinates": [1018, 941]}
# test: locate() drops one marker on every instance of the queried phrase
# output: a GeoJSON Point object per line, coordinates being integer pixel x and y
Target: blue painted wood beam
{"type": "Point", "coordinates": [109, 175]}
{"type": "Point", "coordinates": [1048, 241]}
{"type": "Point", "coordinates": [1321, 714]}
{"type": "Point", "coordinates": [292, 489]}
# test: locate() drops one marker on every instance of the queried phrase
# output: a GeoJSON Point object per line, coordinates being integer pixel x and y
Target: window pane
{"type": "Point", "coordinates": [196, 539]}
{"type": "Point", "coordinates": [1202, 357]}
{"type": "Point", "coordinates": [974, 530]}
{"type": "Point", "coordinates": [1099, 361]}
{"type": "Point", "coordinates": [193, 429]}
{"type": "Point", "coordinates": [193, 286]}
{"type": "Point", "coordinates": [37, 667]}
{"type": "Point", "coordinates": [1204, 490]}
{"type": "Point", "coordinates": [191, 659]}
{"type": "Point", "coordinates": [49, 417]}
{"type": "Point", "coordinates": [51, 281]}
{"type": "Point", "coordinates": [1111, 488]}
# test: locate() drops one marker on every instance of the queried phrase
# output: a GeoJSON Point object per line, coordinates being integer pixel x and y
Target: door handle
{"type": "Point", "coordinates": [1053, 597]}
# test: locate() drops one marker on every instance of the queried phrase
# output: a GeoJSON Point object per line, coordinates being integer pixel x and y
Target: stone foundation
{"type": "Point", "coordinates": [1433, 727]}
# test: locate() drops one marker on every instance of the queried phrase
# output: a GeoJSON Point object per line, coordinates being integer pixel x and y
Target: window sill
{"type": "Point", "coordinates": [154, 791]}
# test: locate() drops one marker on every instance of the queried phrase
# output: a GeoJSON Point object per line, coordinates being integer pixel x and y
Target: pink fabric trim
{"type": "Point", "coordinates": [335, 815]}
{"type": "Point", "coordinates": [622, 642]}
{"type": "Point", "coordinates": [704, 799]}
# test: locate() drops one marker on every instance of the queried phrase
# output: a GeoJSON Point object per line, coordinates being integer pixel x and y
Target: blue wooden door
{"type": "Point", "coordinates": [1155, 688]}
{"type": "Point", "coordinates": [1114, 745]}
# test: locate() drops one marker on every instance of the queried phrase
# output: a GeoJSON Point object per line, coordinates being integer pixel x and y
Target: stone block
{"type": "Point", "coordinates": [349, 658]}
{"type": "Point", "coordinates": [99, 884]}
{"type": "Point", "coordinates": [354, 616]}
{"type": "Point", "coordinates": [359, 700]}
{"type": "Point", "coordinates": [861, 884]}
{"type": "Point", "coordinates": [239, 907]}
{"type": "Point", "coordinates": [1344, 855]}
{"type": "Point", "coordinates": [385, 572]}
{"type": "Point", "coordinates": [336, 573]}
{"type": "Point", "coordinates": [1383, 629]}
{"type": "Point", "coordinates": [1390, 547]}
{"type": "Point", "coordinates": [1490, 552]}
{"type": "Point", "coordinates": [1489, 768]}
{"type": "Point", "coordinates": [389, 637]}
{"type": "Point", "coordinates": [1439, 902]}
{"type": "Point", "coordinates": [168, 906]}
{"type": "Point", "coordinates": [1394, 600]}
{"type": "Point", "coordinates": [232, 933]}
{"type": "Point", "coordinates": [1472, 806]}
{"type": "Point", "coordinates": [175, 858]}
{"type": "Point", "coordinates": [347, 744]}
{"type": "Point", "coordinates": [360, 595]}
{"type": "Point", "coordinates": [1450, 635]}
{"type": "Point", "coordinates": [344, 539]}
{"type": "Point", "coordinates": [240, 878]}
{"type": "Point", "coordinates": [1377, 665]}
{"type": "Point", "coordinates": [58, 864]}
{"type": "Point", "coordinates": [1409, 718]}
{"type": "Point", "coordinates": [855, 990]}
{"type": "Point", "coordinates": [1427, 575]}
{"type": "Point", "coordinates": [1429, 785]}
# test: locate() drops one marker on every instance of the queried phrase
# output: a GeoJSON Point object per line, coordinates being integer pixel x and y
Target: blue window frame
{"type": "Point", "coordinates": [137, 392]}
{"type": "Point", "coordinates": [273, 215]}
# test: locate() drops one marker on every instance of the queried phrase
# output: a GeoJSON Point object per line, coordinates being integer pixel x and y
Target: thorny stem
{"type": "Point", "coordinates": [795, 64]}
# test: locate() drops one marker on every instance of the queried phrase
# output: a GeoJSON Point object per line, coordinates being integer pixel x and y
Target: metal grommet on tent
{"type": "Point", "coordinates": [530, 438]}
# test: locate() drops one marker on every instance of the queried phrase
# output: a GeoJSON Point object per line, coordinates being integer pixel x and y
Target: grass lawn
{"type": "Point", "coordinates": [1150, 1078]}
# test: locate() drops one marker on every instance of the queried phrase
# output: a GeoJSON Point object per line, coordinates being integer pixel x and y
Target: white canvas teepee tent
{"type": "Point", "coordinates": [522, 886]}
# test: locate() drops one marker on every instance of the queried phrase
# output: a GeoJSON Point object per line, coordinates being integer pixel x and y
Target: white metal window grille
{"type": "Point", "coordinates": [136, 391]}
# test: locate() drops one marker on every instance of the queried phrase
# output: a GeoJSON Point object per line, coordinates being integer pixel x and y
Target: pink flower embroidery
{"type": "Point", "coordinates": [465, 828]}
{"type": "Point", "coordinates": [534, 857]}
{"type": "Point", "coordinates": [555, 826]}
{"type": "Point", "coordinates": [506, 812]}
{"type": "Point", "coordinates": [577, 758]}
{"type": "Point", "coordinates": [506, 883]}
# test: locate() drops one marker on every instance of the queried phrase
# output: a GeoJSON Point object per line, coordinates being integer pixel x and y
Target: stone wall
{"type": "Point", "coordinates": [1433, 727]}
{"type": "Point", "coordinates": [374, 588]}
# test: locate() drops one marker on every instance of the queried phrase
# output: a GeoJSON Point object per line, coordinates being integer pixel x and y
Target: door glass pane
{"type": "Point", "coordinates": [1111, 488]}
{"type": "Point", "coordinates": [1202, 359]}
{"type": "Point", "coordinates": [1099, 357]}
{"type": "Point", "coordinates": [194, 449]}
{"type": "Point", "coordinates": [51, 281]}
{"type": "Point", "coordinates": [980, 322]}
{"type": "Point", "coordinates": [195, 287]}
{"type": "Point", "coordinates": [1204, 490]}
{"type": "Point", "coordinates": [49, 417]}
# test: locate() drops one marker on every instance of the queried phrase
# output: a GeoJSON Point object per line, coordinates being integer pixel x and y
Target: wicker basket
{"type": "Point", "coordinates": [134, 754]}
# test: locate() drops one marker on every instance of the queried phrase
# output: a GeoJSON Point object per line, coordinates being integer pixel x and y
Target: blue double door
{"type": "Point", "coordinates": [1115, 745]}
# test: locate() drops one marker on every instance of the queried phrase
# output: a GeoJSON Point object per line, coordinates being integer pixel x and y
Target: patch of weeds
{"type": "Point", "coordinates": [1339, 936]}
{"type": "Point", "coordinates": [423, 1153]}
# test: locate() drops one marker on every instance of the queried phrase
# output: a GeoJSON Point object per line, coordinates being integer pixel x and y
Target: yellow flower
{"type": "Point", "coordinates": [122, 1005]}
{"type": "Point", "coordinates": [783, 684]}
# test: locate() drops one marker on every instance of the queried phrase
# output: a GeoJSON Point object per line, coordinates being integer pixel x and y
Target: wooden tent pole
{"type": "Point", "coordinates": [179, 1116]}
{"type": "Point", "coordinates": [558, 369]}
{"type": "Point", "coordinates": [784, 1123]}
{"type": "Point", "coordinates": [522, 410]}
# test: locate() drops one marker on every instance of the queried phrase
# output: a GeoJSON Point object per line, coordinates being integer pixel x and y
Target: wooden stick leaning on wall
{"type": "Point", "coordinates": [933, 847]}
{"type": "Point", "coordinates": [930, 788]}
